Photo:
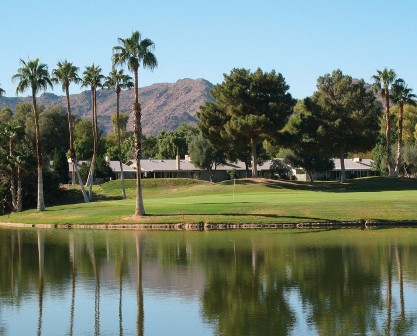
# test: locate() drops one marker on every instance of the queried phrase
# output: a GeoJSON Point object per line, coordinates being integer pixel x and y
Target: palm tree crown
{"type": "Point", "coordinates": [32, 74]}
{"type": "Point", "coordinates": [92, 76]}
{"type": "Point", "coordinates": [401, 94]}
{"type": "Point", "coordinates": [383, 80]}
{"type": "Point", "coordinates": [118, 80]}
{"type": "Point", "coordinates": [65, 73]}
{"type": "Point", "coordinates": [133, 51]}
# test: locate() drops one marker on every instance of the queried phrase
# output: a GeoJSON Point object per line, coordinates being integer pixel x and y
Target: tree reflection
{"type": "Point", "coordinates": [40, 279]}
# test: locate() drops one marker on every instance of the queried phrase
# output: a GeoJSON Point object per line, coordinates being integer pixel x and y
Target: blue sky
{"type": "Point", "coordinates": [302, 39]}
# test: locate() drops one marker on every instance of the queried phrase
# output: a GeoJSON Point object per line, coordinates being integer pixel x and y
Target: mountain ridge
{"type": "Point", "coordinates": [164, 105]}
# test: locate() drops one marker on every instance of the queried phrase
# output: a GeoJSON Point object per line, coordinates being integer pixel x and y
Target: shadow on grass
{"type": "Point", "coordinates": [368, 184]}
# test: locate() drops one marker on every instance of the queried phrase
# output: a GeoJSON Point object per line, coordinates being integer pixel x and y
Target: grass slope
{"type": "Point", "coordinates": [247, 201]}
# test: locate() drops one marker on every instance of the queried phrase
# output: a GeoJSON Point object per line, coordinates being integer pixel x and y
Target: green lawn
{"type": "Point", "coordinates": [248, 201]}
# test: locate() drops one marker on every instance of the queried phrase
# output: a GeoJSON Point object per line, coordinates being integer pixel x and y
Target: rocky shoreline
{"type": "Point", "coordinates": [362, 224]}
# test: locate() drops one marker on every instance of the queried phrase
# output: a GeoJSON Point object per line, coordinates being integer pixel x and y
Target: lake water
{"type": "Point", "coordinates": [338, 282]}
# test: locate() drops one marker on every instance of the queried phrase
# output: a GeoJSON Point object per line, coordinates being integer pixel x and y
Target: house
{"type": "Point", "coordinates": [178, 168]}
{"type": "Point", "coordinates": [354, 168]}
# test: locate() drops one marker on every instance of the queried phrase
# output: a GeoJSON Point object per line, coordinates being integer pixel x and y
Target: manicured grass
{"type": "Point", "coordinates": [247, 201]}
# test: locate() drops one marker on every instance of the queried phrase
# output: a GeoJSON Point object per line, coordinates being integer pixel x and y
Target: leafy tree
{"type": "Point", "coordinates": [5, 115]}
{"type": "Point", "coordinates": [256, 105]}
{"type": "Point", "coordinates": [176, 142]}
{"type": "Point", "coordinates": [135, 51]}
{"type": "Point", "coordinates": [67, 73]}
{"type": "Point", "coordinates": [401, 95]}
{"type": "Point", "coordinates": [54, 130]}
{"type": "Point", "coordinates": [348, 115]}
{"type": "Point", "coordinates": [83, 139]}
{"type": "Point", "coordinates": [279, 168]}
{"type": "Point", "coordinates": [149, 147]}
{"type": "Point", "coordinates": [118, 81]}
{"type": "Point", "coordinates": [121, 123]}
{"type": "Point", "coordinates": [383, 81]}
{"type": "Point", "coordinates": [34, 75]}
{"type": "Point", "coordinates": [409, 121]}
{"type": "Point", "coordinates": [2, 92]}
{"type": "Point", "coordinates": [301, 137]}
{"type": "Point", "coordinates": [60, 165]}
{"type": "Point", "coordinates": [205, 156]}
{"type": "Point", "coordinates": [92, 77]}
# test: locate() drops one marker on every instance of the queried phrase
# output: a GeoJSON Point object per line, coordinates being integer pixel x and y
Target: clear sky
{"type": "Point", "coordinates": [302, 39]}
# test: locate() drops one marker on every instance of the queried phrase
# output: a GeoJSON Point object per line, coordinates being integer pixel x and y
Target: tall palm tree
{"type": "Point", "coordinates": [401, 94]}
{"type": "Point", "coordinates": [67, 73]}
{"type": "Point", "coordinates": [135, 51]}
{"type": "Point", "coordinates": [118, 81]}
{"type": "Point", "coordinates": [92, 77]}
{"type": "Point", "coordinates": [33, 74]}
{"type": "Point", "coordinates": [383, 81]}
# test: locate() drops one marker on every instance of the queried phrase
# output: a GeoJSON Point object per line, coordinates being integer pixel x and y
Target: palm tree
{"type": "Point", "coordinates": [2, 92]}
{"type": "Point", "coordinates": [383, 81]}
{"type": "Point", "coordinates": [92, 77]}
{"type": "Point", "coordinates": [35, 75]}
{"type": "Point", "coordinates": [67, 73]}
{"type": "Point", "coordinates": [118, 81]}
{"type": "Point", "coordinates": [134, 51]}
{"type": "Point", "coordinates": [401, 95]}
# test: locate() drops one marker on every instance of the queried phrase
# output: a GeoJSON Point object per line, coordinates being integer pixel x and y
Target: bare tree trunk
{"type": "Point", "coordinates": [342, 167]}
{"type": "Point", "coordinates": [12, 182]}
{"type": "Point", "coordinates": [310, 176]}
{"type": "Point", "coordinates": [400, 140]}
{"type": "Point", "coordinates": [40, 201]}
{"type": "Point", "coordinates": [139, 209]}
{"type": "Point", "coordinates": [254, 159]}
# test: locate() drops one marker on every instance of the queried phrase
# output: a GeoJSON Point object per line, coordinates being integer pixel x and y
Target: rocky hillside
{"type": "Point", "coordinates": [164, 105]}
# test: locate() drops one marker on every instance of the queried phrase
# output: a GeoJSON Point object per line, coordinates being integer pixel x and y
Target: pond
{"type": "Point", "coordinates": [336, 282]}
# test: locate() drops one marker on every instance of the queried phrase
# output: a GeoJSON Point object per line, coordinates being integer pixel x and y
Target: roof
{"type": "Point", "coordinates": [354, 164]}
{"type": "Point", "coordinates": [151, 165]}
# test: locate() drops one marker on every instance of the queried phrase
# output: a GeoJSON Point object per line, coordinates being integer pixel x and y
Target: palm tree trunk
{"type": "Point", "coordinates": [139, 209]}
{"type": "Point", "coordinates": [119, 145]}
{"type": "Point", "coordinates": [254, 159]}
{"type": "Point", "coordinates": [90, 178]}
{"type": "Point", "coordinates": [391, 171]}
{"type": "Point", "coordinates": [400, 140]}
{"type": "Point", "coordinates": [75, 171]}
{"type": "Point", "coordinates": [40, 201]}
{"type": "Point", "coordinates": [19, 198]}
{"type": "Point", "coordinates": [12, 184]}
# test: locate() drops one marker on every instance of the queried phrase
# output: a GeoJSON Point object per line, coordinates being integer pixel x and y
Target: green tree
{"type": "Point", "coordinates": [301, 137]}
{"type": "Point", "coordinates": [54, 131]}
{"type": "Point", "coordinates": [401, 95]}
{"type": "Point", "coordinates": [256, 105]}
{"type": "Point", "coordinates": [348, 114]}
{"type": "Point", "coordinates": [67, 73]}
{"type": "Point", "coordinates": [149, 146]}
{"type": "Point", "coordinates": [34, 75]}
{"type": "Point", "coordinates": [2, 92]}
{"type": "Point", "coordinates": [135, 51]}
{"type": "Point", "coordinates": [205, 156]}
{"type": "Point", "coordinates": [60, 165]}
{"type": "Point", "coordinates": [92, 78]}
{"type": "Point", "coordinates": [383, 81]}
{"type": "Point", "coordinates": [6, 115]}
{"type": "Point", "coordinates": [119, 81]}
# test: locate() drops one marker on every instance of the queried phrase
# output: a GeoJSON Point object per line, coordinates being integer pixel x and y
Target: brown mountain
{"type": "Point", "coordinates": [164, 105]}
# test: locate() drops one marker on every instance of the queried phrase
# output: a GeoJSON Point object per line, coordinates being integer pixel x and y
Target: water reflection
{"type": "Point", "coordinates": [217, 283]}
